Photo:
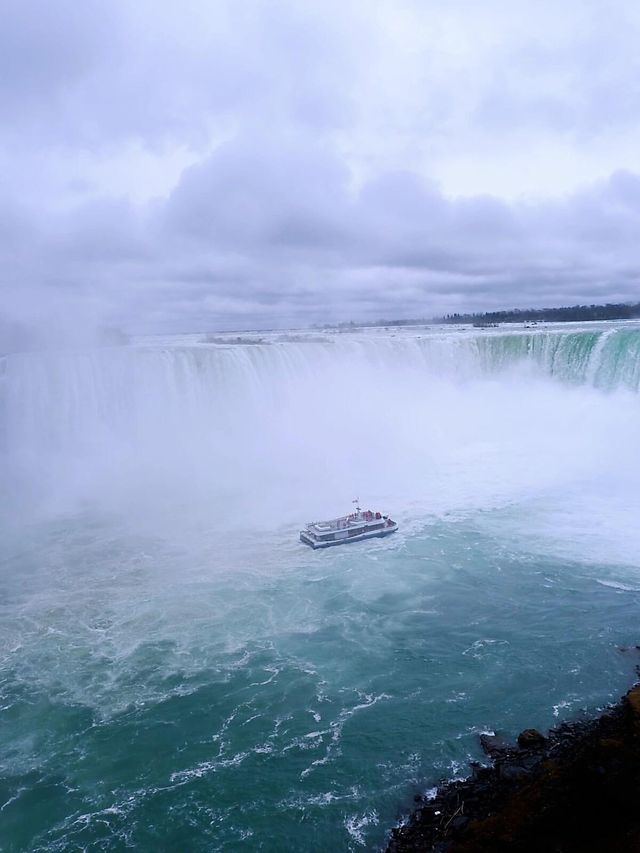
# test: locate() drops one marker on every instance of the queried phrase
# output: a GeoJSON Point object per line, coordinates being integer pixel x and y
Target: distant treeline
{"type": "Point", "coordinates": [569, 314]}
{"type": "Point", "coordinates": [573, 313]}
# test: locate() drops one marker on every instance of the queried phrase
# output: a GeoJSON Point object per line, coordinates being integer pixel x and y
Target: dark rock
{"type": "Point", "coordinates": [575, 791]}
{"type": "Point", "coordinates": [531, 739]}
{"type": "Point", "coordinates": [512, 771]}
{"type": "Point", "coordinates": [494, 745]}
{"type": "Point", "coordinates": [481, 775]}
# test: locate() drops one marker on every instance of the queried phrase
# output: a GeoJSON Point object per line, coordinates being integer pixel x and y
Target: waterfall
{"type": "Point", "coordinates": [285, 407]}
{"type": "Point", "coordinates": [56, 399]}
{"type": "Point", "coordinates": [605, 359]}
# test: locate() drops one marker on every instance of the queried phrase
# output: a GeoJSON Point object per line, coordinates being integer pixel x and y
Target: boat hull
{"type": "Point", "coordinates": [373, 534]}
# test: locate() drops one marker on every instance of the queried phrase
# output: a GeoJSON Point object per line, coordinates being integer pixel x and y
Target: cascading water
{"type": "Point", "coordinates": [51, 399]}
{"type": "Point", "coordinates": [606, 359]}
{"type": "Point", "coordinates": [179, 673]}
{"type": "Point", "coordinates": [115, 405]}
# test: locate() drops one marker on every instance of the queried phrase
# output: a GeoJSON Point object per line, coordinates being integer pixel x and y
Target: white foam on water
{"type": "Point", "coordinates": [356, 824]}
{"type": "Point", "coordinates": [623, 587]}
{"type": "Point", "coordinates": [561, 706]}
{"type": "Point", "coordinates": [333, 750]}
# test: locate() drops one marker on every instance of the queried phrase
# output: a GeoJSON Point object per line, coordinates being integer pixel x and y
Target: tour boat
{"type": "Point", "coordinates": [361, 524]}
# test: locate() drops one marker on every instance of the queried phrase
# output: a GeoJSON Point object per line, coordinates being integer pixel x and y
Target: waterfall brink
{"type": "Point", "coordinates": [286, 407]}
{"type": "Point", "coordinates": [606, 359]}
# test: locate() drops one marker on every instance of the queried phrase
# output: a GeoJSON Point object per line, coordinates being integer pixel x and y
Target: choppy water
{"type": "Point", "coordinates": [178, 673]}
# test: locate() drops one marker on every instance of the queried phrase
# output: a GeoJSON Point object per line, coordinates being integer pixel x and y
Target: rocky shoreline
{"type": "Point", "coordinates": [575, 789]}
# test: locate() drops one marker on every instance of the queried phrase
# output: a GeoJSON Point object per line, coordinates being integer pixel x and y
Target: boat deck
{"type": "Point", "coordinates": [346, 522]}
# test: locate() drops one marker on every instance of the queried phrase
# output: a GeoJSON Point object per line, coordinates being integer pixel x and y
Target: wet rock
{"type": "Point", "coordinates": [494, 745]}
{"type": "Point", "coordinates": [459, 822]}
{"type": "Point", "coordinates": [531, 739]}
{"type": "Point", "coordinates": [632, 700]}
{"type": "Point", "coordinates": [511, 772]}
{"type": "Point", "coordinates": [575, 791]}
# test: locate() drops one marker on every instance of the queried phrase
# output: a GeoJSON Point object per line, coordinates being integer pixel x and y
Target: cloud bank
{"type": "Point", "coordinates": [271, 164]}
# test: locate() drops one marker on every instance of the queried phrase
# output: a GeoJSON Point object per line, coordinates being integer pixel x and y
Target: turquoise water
{"type": "Point", "coordinates": [178, 673]}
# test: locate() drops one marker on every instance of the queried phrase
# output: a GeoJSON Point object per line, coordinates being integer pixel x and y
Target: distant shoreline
{"type": "Point", "coordinates": [568, 314]}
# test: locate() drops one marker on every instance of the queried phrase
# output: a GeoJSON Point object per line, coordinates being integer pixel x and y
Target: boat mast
{"type": "Point", "coordinates": [357, 503]}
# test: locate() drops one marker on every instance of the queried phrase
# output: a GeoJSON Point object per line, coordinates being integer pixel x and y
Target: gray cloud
{"type": "Point", "coordinates": [256, 191]}
{"type": "Point", "coordinates": [580, 80]}
{"type": "Point", "coordinates": [47, 54]}
{"type": "Point", "coordinates": [307, 144]}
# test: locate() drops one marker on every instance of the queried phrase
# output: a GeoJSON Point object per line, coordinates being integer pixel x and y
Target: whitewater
{"type": "Point", "coordinates": [178, 672]}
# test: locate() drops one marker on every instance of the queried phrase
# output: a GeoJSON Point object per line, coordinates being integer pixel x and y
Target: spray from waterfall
{"type": "Point", "coordinates": [289, 426]}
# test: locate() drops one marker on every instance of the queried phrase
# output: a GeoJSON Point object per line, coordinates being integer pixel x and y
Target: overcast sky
{"type": "Point", "coordinates": [201, 165]}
